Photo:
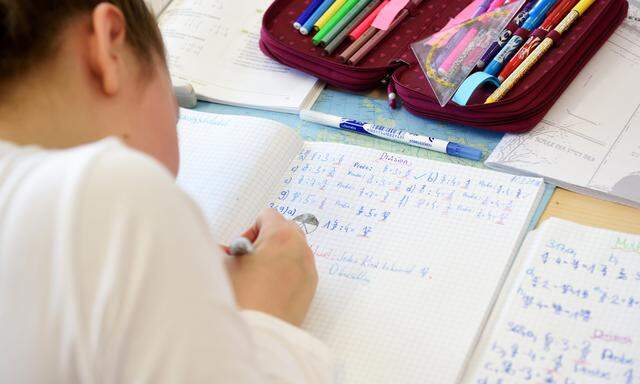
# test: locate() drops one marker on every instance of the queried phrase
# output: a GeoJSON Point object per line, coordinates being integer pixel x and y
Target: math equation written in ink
{"type": "Point", "coordinates": [360, 201]}
{"type": "Point", "coordinates": [573, 316]}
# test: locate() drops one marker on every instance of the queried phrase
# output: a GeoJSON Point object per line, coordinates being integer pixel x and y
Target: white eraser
{"type": "Point", "coordinates": [186, 95]}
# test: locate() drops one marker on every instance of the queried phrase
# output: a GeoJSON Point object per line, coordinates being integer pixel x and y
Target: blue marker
{"type": "Point", "coordinates": [392, 134]}
{"type": "Point", "coordinates": [535, 19]}
{"type": "Point", "coordinates": [304, 16]}
{"type": "Point", "coordinates": [506, 34]}
{"type": "Point", "coordinates": [317, 14]}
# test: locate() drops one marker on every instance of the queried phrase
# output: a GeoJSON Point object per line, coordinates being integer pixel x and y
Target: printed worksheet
{"type": "Point", "coordinates": [590, 140]}
{"type": "Point", "coordinates": [157, 6]}
{"type": "Point", "coordinates": [214, 45]}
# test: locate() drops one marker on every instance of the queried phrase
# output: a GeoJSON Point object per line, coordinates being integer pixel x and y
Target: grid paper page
{"type": "Point", "coordinates": [230, 165]}
{"type": "Point", "coordinates": [410, 254]}
{"type": "Point", "coordinates": [573, 314]}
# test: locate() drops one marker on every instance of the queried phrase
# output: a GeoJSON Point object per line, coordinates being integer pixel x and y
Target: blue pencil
{"type": "Point", "coordinates": [308, 25]}
{"type": "Point", "coordinates": [304, 16]}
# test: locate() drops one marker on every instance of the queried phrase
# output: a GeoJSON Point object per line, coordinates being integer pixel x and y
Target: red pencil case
{"type": "Point", "coordinates": [392, 60]}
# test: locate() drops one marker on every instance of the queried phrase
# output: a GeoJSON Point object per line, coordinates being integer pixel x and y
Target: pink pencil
{"type": "Point", "coordinates": [465, 15]}
{"type": "Point", "coordinates": [366, 23]}
{"type": "Point", "coordinates": [495, 4]}
{"type": "Point", "coordinates": [453, 56]}
{"type": "Point", "coordinates": [492, 7]}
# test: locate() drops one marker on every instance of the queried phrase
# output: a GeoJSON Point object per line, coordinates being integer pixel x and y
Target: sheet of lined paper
{"type": "Point", "coordinates": [573, 313]}
{"type": "Point", "coordinates": [410, 254]}
{"type": "Point", "coordinates": [231, 165]}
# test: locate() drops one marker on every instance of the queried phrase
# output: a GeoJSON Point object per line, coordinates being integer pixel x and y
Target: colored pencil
{"type": "Point", "coordinates": [304, 16]}
{"type": "Point", "coordinates": [331, 24]}
{"type": "Point", "coordinates": [308, 25]}
{"type": "Point", "coordinates": [555, 17]}
{"type": "Point", "coordinates": [377, 38]}
{"type": "Point", "coordinates": [340, 32]}
{"type": "Point", "coordinates": [539, 52]}
{"type": "Point", "coordinates": [366, 23]}
{"type": "Point", "coordinates": [356, 45]}
{"type": "Point", "coordinates": [335, 7]}
{"type": "Point", "coordinates": [506, 34]}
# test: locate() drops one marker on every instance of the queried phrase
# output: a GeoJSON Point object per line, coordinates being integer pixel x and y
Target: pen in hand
{"type": "Point", "coordinates": [240, 247]}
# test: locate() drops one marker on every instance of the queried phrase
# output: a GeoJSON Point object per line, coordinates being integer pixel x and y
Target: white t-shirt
{"type": "Point", "coordinates": [108, 274]}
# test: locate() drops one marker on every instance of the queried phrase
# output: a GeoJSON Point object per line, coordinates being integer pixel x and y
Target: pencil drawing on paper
{"type": "Point", "coordinates": [518, 149]}
{"type": "Point", "coordinates": [308, 222]}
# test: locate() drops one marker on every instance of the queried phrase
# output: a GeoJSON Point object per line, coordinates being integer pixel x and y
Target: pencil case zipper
{"type": "Point", "coordinates": [339, 75]}
{"type": "Point", "coordinates": [519, 112]}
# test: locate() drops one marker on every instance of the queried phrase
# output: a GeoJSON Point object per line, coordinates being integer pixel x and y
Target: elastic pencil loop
{"type": "Point", "coordinates": [554, 36]}
{"type": "Point", "coordinates": [391, 94]}
{"type": "Point", "coordinates": [523, 33]}
{"type": "Point", "coordinates": [512, 26]}
{"type": "Point", "coordinates": [539, 33]}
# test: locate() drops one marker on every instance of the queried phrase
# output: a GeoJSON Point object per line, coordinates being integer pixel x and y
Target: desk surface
{"type": "Point", "coordinates": [591, 211]}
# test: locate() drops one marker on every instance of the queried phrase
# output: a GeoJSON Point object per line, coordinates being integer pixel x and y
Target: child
{"type": "Point", "coordinates": [107, 270]}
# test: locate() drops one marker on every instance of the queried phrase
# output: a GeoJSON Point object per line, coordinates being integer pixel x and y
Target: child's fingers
{"type": "Point", "coordinates": [268, 220]}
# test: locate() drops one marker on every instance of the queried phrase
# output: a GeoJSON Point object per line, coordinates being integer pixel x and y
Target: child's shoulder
{"type": "Point", "coordinates": [117, 175]}
{"type": "Point", "coordinates": [85, 199]}
{"type": "Point", "coordinates": [112, 166]}
{"type": "Point", "coordinates": [105, 172]}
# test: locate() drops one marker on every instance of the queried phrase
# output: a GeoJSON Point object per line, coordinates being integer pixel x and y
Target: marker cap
{"type": "Point", "coordinates": [455, 149]}
{"type": "Point", "coordinates": [320, 118]}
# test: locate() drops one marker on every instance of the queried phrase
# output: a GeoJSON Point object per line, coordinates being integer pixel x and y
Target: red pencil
{"type": "Point", "coordinates": [555, 16]}
{"type": "Point", "coordinates": [366, 23]}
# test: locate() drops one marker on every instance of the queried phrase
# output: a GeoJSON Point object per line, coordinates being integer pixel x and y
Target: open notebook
{"type": "Point", "coordinates": [569, 312]}
{"type": "Point", "coordinates": [213, 45]}
{"type": "Point", "coordinates": [411, 253]}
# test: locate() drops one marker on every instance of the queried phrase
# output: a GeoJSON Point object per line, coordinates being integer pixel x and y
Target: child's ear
{"type": "Point", "coordinates": [107, 47]}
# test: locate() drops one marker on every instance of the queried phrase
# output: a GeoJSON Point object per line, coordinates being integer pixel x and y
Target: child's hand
{"type": "Point", "coordinates": [280, 277]}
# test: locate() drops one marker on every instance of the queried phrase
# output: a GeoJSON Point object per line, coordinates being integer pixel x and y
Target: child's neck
{"type": "Point", "coordinates": [42, 111]}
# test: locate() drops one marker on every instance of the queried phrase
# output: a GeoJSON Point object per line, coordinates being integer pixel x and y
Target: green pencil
{"type": "Point", "coordinates": [334, 20]}
{"type": "Point", "coordinates": [346, 20]}
{"type": "Point", "coordinates": [342, 36]}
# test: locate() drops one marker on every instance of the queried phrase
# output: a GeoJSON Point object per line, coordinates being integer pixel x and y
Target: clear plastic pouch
{"type": "Point", "coordinates": [449, 56]}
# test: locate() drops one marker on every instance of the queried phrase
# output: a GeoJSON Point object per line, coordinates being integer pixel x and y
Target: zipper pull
{"type": "Point", "coordinates": [391, 94]}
